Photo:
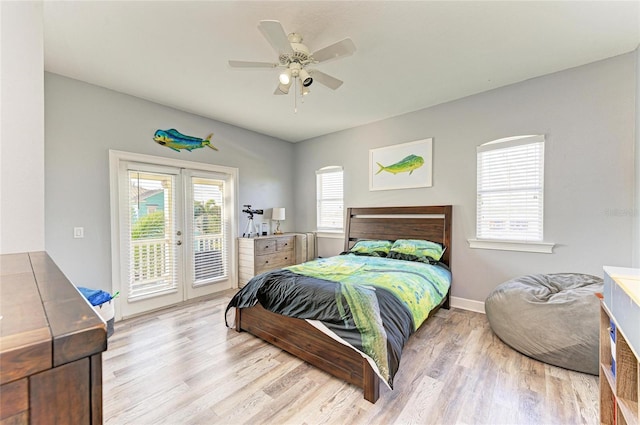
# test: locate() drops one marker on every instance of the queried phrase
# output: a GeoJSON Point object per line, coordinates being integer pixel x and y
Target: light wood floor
{"type": "Point", "coordinates": [183, 366]}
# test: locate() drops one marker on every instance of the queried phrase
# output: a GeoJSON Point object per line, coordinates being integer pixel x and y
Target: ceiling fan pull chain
{"type": "Point", "coordinates": [295, 96]}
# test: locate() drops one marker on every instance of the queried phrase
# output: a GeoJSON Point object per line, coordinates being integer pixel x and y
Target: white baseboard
{"type": "Point", "coordinates": [465, 304]}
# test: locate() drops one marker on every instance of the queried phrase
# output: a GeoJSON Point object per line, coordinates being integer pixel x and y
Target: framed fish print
{"type": "Point", "coordinates": [403, 166]}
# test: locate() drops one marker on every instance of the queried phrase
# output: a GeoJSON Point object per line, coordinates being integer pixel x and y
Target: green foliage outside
{"type": "Point", "coordinates": [207, 217]}
{"type": "Point", "coordinates": [150, 226]}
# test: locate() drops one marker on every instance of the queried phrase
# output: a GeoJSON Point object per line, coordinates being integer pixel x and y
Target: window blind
{"type": "Point", "coordinates": [510, 189]}
{"type": "Point", "coordinates": [151, 229]}
{"type": "Point", "coordinates": [210, 230]}
{"type": "Point", "coordinates": [330, 207]}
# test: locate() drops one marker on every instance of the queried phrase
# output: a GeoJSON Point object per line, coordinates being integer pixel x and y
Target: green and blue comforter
{"type": "Point", "coordinates": [372, 303]}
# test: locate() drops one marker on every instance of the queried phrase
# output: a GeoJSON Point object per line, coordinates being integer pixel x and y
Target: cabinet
{"type": "Point", "coordinates": [620, 347]}
{"type": "Point", "coordinates": [264, 253]}
{"type": "Point", "coordinates": [51, 344]}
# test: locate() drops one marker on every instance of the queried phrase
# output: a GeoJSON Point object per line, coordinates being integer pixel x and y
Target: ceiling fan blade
{"type": "Point", "coordinates": [245, 64]}
{"type": "Point", "coordinates": [325, 79]}
{"type": "Point", "coordinates": [275, 35]}
{"type": "Point", "coordinates": [337, 50]}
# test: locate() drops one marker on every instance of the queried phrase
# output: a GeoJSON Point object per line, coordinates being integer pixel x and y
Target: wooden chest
{"type": "Point", "coordinates": [264, 253]}
{"type": "Point", "coordinates": [51, 344]}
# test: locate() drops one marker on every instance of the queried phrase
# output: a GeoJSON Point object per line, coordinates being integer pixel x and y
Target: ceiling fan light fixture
{"type": "Point", "coordinates": [305, 78]}
{"type": "Point", "coordinates": [284, 88]}
{"type": "Point", "coordinates": [285, 77]}
{"type": "Point", "coordinates": [304, 90]}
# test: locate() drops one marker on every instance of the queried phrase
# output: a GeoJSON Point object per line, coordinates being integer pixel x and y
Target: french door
{"type": "Point", "coordinates": [175, 234]}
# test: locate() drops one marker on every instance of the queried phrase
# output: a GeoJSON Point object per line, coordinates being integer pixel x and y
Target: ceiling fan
{"type": "Point", "coordinates": [295, 58]}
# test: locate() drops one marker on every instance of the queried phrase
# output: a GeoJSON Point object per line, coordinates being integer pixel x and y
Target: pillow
{"type": "Point", "coordinates": [371, 248]}
{"type": "Point", "coordinates": [416, 250]}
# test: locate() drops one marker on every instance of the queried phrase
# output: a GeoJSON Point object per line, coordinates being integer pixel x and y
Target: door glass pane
{"type": "Point", "coordinates": [209, 231]}
{"type": "Point", "coordinates": [152, 234]}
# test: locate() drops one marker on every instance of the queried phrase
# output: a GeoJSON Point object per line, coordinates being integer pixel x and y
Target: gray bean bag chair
{"type": "Point", "coordinates": [553, 318]}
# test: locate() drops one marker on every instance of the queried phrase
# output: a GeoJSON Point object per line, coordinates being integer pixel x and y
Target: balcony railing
{"type": "Point", "coordinates": [153, 267]}
{"type": "Point", "coordinates": [209, 263]}
{"type": "Point", "coordinates": [203, 243]}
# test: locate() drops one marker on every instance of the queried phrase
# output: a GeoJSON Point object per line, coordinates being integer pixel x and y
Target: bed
{"type": "Point", "coordinates": [310, 340]}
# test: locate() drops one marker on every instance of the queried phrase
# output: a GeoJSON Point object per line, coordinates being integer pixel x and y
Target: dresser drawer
{"type": "Point", "coordinates": [265, 246]}
{"type": "Point", "coordinates": [273, 261]}
{"type": "Point", "coordinates": [284, 244]}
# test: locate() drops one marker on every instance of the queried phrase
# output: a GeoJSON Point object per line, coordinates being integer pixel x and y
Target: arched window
{"type": "Point", "coordinates": [329, 195]}
{"type": "Point", "coordinates": [510, 189]}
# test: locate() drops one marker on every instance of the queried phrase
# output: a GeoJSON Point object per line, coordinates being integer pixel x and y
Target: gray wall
{"type": "Point", "coordinates": [83, 121]}
{"type": "Point", "coordinates": [22, 129]}
{"type": "Point", "coordinates": [588, 116]}
{"type": "Point", "coordinates": [636, 215]}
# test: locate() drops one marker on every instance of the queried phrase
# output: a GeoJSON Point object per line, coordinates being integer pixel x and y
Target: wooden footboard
{"type": "Point", "coordinates": [298, 337]}
{"type": "Point", "coordinates": [304, 341]}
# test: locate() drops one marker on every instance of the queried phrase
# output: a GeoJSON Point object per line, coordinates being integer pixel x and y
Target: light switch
{"type": "Point", "coordinates": [78, 232]}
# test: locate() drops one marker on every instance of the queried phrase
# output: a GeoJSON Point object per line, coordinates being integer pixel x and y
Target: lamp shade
{"type": "Point", "coordinates": [278, 214]}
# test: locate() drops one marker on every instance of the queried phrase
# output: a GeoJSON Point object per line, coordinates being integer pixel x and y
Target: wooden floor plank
{"type": "Point", "coordinates": [183, 366]}
{"type": "Point", "coordinates": [422, 402]}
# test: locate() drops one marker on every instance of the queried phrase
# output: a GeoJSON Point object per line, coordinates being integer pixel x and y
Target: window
{"type": "Point", "coordinates": [510, 190]}
{"type": "Point", "coordinates": [209, 228]}
{"type": "Point", "coordinates": [330, 214]}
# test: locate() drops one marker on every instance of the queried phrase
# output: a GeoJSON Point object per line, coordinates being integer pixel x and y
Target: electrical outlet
{"type": "Point", "coordinates": [78, 232]}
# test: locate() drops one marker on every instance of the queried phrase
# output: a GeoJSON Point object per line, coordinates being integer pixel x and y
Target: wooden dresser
{"type": "Point", "coordinates": [264, 253]}
{"type": "Point", "coordinates": [51, 344]}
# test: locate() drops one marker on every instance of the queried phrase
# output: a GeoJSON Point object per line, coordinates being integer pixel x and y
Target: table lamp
{"type": "Point", "coordinates": [277, 214]}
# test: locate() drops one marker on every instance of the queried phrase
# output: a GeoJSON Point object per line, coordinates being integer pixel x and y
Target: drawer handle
{"type": "Point", "coordinates": [266, 262]}
{"type": "Point", "coordinates": [266, 246]}
{"type": "Point", "coordinates": [286, 258]}
{"type": "Point", "coordinates": [286, 244]}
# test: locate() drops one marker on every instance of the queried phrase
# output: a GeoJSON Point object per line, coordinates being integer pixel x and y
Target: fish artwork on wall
{"type": "Point", "coordinates": [407, 164]}
{"type": "Point", "coordinates": [175, 140]}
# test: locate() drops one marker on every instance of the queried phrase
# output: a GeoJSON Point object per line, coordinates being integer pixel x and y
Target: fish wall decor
{"type": "Point", "coordinates": [401, 166]}
{"type": "Point", "coordinates": [407, 164]}
{"type": "Point", "coordinates": [175, 140]}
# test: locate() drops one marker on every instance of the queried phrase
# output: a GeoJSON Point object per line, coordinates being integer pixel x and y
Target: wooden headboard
{"type": "Point", "coordinates": [432, 223]}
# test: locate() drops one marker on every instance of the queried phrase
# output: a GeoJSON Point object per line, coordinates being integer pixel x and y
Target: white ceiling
{"type": "Point", "coordinates": [411, 55]}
